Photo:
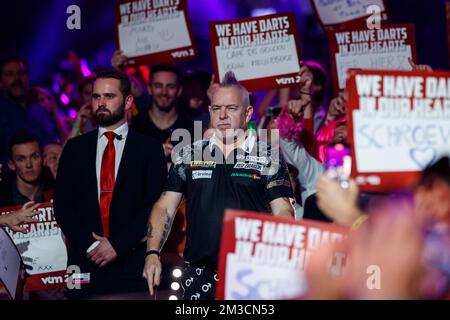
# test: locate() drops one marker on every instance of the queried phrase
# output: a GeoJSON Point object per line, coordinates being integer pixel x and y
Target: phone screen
{"type": "Point", "coordinates": [339, 162]}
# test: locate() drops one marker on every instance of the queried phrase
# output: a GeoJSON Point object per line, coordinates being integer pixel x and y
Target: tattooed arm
{"type": "Point", "coordinates": [159, 225]}
{"type": "Point", "coordinates": [283, 208]}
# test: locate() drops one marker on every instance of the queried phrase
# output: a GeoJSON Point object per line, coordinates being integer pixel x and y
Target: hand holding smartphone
{"type": "Point", "coordinates": [338, 163]}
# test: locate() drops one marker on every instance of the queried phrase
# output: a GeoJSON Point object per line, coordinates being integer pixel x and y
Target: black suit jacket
{"type": "Point", "coordinates": [139, 183]}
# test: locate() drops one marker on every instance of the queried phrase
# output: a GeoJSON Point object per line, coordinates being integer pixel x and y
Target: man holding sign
{"type": "Point", "coordinates": [231, 169]}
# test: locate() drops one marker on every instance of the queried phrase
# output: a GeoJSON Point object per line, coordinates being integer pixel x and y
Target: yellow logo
{"type": "Point", "coordinates": [203, 164]}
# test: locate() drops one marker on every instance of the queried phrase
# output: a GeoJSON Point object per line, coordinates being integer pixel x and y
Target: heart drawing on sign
{"type": "Point", "coordinates": [423, 156]}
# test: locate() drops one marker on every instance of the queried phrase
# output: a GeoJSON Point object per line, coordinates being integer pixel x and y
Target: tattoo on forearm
{"type": "Point", "coordinates": [166, 230]}
{"type": "Point", "coordinates": [150, 230]}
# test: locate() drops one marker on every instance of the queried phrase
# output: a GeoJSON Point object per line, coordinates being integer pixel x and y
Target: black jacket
{"type": "Point", "coordinates": [139, 182]}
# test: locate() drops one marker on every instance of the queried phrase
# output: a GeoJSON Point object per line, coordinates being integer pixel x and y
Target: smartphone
{"type": "Point", "coordinates": [338, 163]}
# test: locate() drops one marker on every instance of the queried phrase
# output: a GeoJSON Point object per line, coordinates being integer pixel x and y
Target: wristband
{"type": "Point", "coordinates": [149, 252]}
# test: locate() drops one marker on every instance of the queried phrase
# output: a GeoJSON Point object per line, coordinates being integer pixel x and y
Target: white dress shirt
{"type": "Point", "coordinates": [119, 144]}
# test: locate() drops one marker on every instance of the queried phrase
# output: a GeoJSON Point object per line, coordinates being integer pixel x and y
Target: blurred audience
{"type": "Point", "coordinates": [52, 153]}
{"type": "Point", "coordinates": [406, 238]}
{"type": "Point", "coordinates": [44, 98]}
{"type": "Point", "coordinates": [17, 112]}
{"type": "Point", "coordinates": [194, 100]}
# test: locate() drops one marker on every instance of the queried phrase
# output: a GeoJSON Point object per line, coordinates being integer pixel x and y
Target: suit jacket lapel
{"type": "Point", "coordinates": [91, 168]}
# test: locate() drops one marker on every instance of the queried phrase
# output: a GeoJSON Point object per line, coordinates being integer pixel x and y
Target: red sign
{"type": "Point", "coordinates": [387, 48]}
{"type": "Point", "coordinates": [264, 257]}
{"type": "Point", "coordinates": [43, 249]}
{"type": "Point", "coordinates": [263, 52]}
{"type": "Point", "coordinates": [398, 124]}
{"type": "Point", "coordinates": [152, 32]}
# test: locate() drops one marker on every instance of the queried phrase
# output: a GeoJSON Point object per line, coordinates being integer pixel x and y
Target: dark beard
{"type": "Point", "coordinates": [109, 119]}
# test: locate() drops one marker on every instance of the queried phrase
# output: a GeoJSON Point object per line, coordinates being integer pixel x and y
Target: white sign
{"type": "Point", "coordinates": [10, 262]}
{"type": "Point", "coordinates": [43, 248]}
{"type": "Point", "coordinates": [263, 52]}
{"type": "Point", "coordinates": [386, 144]}
{"type": "Point", "coordinates": [388, 48]}
{"type": "Point", "coordinates": [397, 60]}
{"type": "Point", "coordinates": [152, 36]}
{"type": "Point", "coordinates": [403, 120]}
{"type": "Point", "coordinates": [259, 61]}
{"type": "Point", "coordinates": [338, 11]}
{"type": "Point", "coordinates": [247, 281]}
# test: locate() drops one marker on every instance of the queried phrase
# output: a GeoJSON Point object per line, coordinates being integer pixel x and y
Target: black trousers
{"type": "Point", "coordinates": [199, 283]}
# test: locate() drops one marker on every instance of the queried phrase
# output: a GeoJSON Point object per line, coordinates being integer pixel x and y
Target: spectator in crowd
{"type": "Point", "coordinates": [17, 113]}
{"type": "Point", "coordinates": [85, 91]}
{"type": "Point", "coordinates": [309, 170]}
{"type": "Point", "coordinates": [383, 259]}
{"type": "Point", "coordinates": [211, 186]}
{"type": "Point", "coordinates": [14, 219]}
{"type": "Point", "coordinates": [407, 238]}
{"type": "Point", "coordinates": [318, 90]}
{"type": "Point", "coordinates": [138, 77]}
{"type": "Point", "coordinates": [194, 99]}
{"type": "Point", "coordinates": [52, 153]}
{"type": "Point", "coordinates": [107, 181]}
{"type": "Point", "coordinates": [84, 121]}
{"type": "Point", "coordinates": [26, 181]}
{"type": "Point", "coordinates": [43, 98]}
{"type": "Point", "coordinates": [162, 117]}
{"type": "Point", "coordinates": [432, 194]}
{"type": "Point", "coordinates": [326, 132]}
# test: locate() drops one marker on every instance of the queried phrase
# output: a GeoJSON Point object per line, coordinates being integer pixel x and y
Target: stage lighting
{"type": "Point", "coordinates": [176, 273]}
{"type": "Point", "coordinates": [175, 286]}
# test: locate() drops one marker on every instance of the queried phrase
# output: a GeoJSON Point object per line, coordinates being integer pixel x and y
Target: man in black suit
{"type": "Point", "coordinates": [107, 182]}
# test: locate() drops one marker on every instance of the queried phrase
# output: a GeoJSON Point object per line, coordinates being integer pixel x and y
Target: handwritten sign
{"type": "Point", "coordinates": [262, 52]}
{"type": "Point", "coordinates": [154, 31]}
{"type": "Point", "coordinates": [264, 257]}
{"type": "Point", "coordinates": [387, 48]}
{"type": "Point", "coordinates": [399, 123]}
{"type": "Point", "coordinates": [11, 268]}
{"type": "Point", "coordinates": [335, 12]}
{"type": "Point", "coordinates": [43, 250]}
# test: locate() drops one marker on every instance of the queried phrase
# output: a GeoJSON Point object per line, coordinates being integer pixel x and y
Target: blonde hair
{"type": "Point", "coordinates": [229, 80]}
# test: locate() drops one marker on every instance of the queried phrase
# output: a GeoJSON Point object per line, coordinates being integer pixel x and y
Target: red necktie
{"type": "Point", "coordinates": [107, 180]}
